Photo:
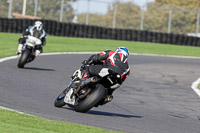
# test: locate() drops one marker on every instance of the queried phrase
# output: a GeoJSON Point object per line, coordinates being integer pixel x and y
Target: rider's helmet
{"type": "Point", "coordinates": [38, 25]}
{"type": "Point", "coordinates": [122, 50]}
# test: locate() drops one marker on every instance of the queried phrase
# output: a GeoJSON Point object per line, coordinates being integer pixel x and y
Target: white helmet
{"type": "Point", "coordinates": [38, 25]}
{"type": "Point", "coordinates": [122, 50]}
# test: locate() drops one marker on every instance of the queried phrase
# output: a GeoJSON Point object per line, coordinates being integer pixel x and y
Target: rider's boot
{"type": "Point", "coordinates": [105, 100]}
{"type": "Point", "coordinates": [109, 96]}
{"type": "Point", "coordinates": [37, 52]}
{"type": "Point", "coordinates": [19, 50]}
{"type": "Point", "coordinates": [108, 99]}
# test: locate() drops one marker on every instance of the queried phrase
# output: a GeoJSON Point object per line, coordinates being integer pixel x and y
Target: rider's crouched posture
{"type": "Point", "coordinates": [117, 61]}
{"type": "Point", "coordinates": [37, 31]}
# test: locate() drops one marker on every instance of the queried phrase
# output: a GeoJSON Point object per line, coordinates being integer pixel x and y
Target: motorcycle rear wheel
{"type": "Point", "coordinates": [91, 100]}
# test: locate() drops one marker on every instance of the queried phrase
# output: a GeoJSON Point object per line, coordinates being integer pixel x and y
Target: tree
{"type": "Point", "coordinates": [156, 14]}
{"type": "Point", "coordinates": [46, 9]}
{"type": "Point", "coordinates": [128, 16]}
{"type": "Point", "coordinates": [191, 3]}
{"type": "Point", "coordinates": [157, 18]}
{"type": "Point", "coordinates": [4, 8]}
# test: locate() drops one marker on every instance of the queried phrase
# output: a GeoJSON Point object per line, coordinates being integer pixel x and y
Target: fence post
{"type": "Point", "coordinates": [170, 19]}
{"type": "Point", "coordinates": [10, 9]}
{"type": "Point", "coordinates": [87, 15]}
{"type": "Point", "coordinates": [142, 18]}
{"type": "Point", "coordinates": [35, 11]}
{"type": "Point", "coordinates": [198, 16]}
{"type": "Point", "coordinates": [61, 12]}
{"type": "Point", "coordinates": [114, 17]}
{"type": "Point", "coordinates": [24, 8]}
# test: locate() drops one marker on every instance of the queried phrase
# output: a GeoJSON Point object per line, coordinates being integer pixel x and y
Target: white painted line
{"type": "Point", "coordinates": [195, 87]}
{"type": "Point", "coordinates": [1, 107]}
{"type": "Point", "coordinates": [173, 56]}
{"type": "Point", "coordinates": [58, 53]}
{"type": "Point", "coordinates": [7, 58]}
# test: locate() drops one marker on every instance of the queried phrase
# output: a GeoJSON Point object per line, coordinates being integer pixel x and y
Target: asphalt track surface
{"type": "Point", "coordinates": [156, 98]}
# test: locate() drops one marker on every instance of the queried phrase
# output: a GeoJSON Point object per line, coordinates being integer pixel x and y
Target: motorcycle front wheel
{"type": "Point", "coordinates": [59, 102]}
{"type": "Point", "coordinates": [23, 59]}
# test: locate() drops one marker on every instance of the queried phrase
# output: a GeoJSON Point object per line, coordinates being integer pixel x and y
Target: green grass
{"type": "Point", "coordinates": [9, 43]}
{"type": "Point", "coordinates": [13, 122]}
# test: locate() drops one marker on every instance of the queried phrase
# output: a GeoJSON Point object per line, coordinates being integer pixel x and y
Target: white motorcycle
{"type": "Point", "coordinates": [29, 52]}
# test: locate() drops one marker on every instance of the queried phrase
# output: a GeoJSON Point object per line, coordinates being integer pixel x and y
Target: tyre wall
{"type": "Point", "coordinates": [55, 28]}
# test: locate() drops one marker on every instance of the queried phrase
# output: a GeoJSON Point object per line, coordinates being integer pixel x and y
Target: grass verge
{"type": "Point", "coordinates": [13, 122]}
{"type": "Point", "coordinates": [9, 43]}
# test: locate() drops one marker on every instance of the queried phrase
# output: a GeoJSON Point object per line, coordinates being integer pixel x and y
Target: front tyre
{"type": "Point", "coordinates": [59, 102]}
{"type": "Point", "coordinates": [23, 59]}
{"type": "Point", "coordinates": [91, 100]}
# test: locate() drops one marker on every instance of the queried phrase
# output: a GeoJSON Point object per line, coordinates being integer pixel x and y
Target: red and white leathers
{"type": "Point", "coordinates": [108, 60]}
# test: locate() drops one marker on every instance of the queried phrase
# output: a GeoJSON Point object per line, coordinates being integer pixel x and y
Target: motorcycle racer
{"type": "Point", "coordinates": [37, 31]}
{"type": "Point", "coordinates": [105, 61]}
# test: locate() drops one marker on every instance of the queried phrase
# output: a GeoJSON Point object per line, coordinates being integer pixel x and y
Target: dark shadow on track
{"type": "Point", "coordinates": [112, 114]}
{"type": "Point", "coordinates": [94, 112]}
{"type": "Point", "coordinates": [38, 69]}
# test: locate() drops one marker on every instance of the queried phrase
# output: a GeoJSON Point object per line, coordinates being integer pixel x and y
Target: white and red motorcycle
{"type": "Point", "coordinates": [82, 95]}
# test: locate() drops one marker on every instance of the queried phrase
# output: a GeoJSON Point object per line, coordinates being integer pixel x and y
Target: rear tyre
{"type": "Point", "coordinates": [91, 100]}
{"type": "Point", "coordinates": [23, 59]}
{"type": "Point", "coordinates": [59, 102]}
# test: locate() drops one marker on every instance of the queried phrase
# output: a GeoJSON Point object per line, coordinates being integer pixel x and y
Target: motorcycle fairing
{"type": "Point", "coordinates": [68, 99]}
